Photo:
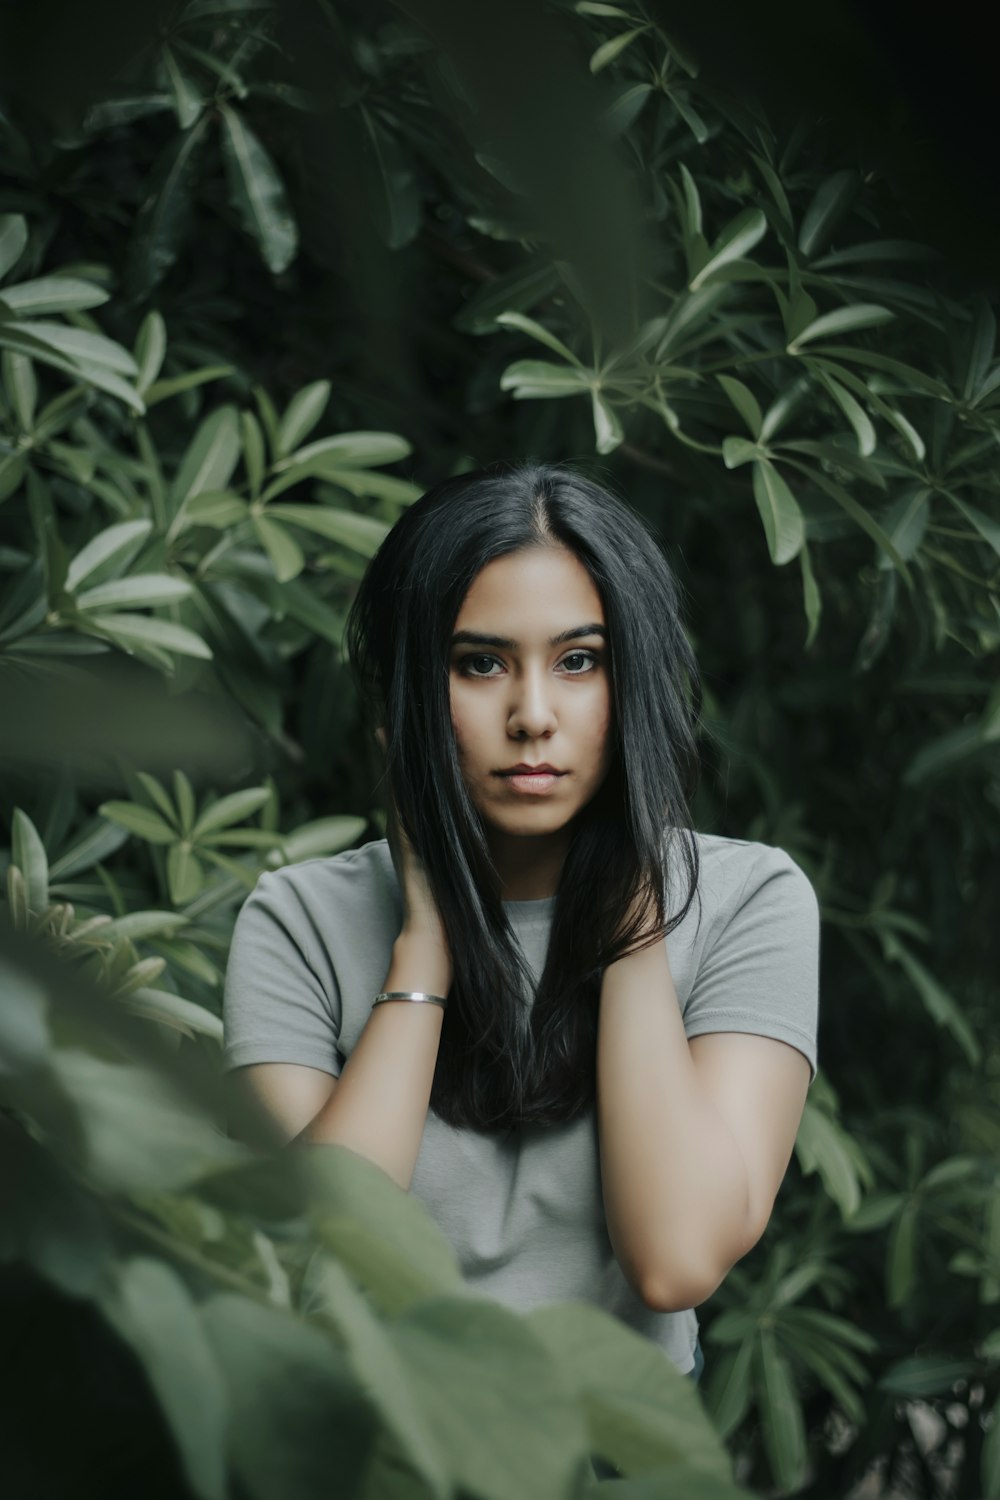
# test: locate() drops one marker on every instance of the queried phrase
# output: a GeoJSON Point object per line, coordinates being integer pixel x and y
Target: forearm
{"type": "Point", "coordinates": [379, 1104]}
{"type": "Point", "coordinates": [675, 1186]}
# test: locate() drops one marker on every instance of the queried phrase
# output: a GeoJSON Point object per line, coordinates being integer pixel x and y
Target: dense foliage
{"type": "Point", "coordinates": [263, 280]}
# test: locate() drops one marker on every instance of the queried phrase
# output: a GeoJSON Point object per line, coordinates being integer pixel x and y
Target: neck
{"type": "Point", "coordinates": [529, 868]}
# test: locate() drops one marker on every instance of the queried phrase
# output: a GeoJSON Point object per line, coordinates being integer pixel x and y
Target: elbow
{"type": "Point", "coordinates": [676, 1290]}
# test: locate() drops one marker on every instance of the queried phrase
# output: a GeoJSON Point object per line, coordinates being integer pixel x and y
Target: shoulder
{"type": "Point", "coordinates": [736, 872]}
{"type": "Point", "coordinates": [348, 882]}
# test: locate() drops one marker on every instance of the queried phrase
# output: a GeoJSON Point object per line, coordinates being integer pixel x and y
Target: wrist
{"type": "Point", "coordinates": [420, 961]}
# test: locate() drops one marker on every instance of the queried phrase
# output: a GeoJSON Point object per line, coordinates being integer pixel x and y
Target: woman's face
{"type": "Point", "coordinates": [530, 684]}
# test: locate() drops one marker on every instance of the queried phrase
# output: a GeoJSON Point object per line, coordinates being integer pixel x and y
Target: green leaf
{"type": "Point", "coordinates": [831, 201]}
{"type": "Point", "coordinates": [139, 925]}
{"type": "Point", "coordinates": [842, 320]}
{"type": "Point", "coordinates": [173, 1011]}
{"type": "Point", "coordinates": [13, 238]}
{"type": "Point", "coordinates": [369, 482]}
{"type": "Point", "coordinates": [52, 294]}
{"type": "Point", "coordinates": [361, 533]}
{"type": "Point", "coordinates": [162, 390]}
{"type": "Point", "coordinates": [139, 820]}
{"type": "Point", "coordinates": [185, 874]}
{"type": "Point", "coordinates": [608, 51]}
{"type": "Point", "coordinates": [744, 401]}
{"type": "Point", "coordinates": [607, 427]}
{"type": "Point", "coordinates": [28, 853]}
{"type": "Point", "coordinates": [143, 589]}
{"type": "Point", "coordinates": [299, 1423]}
{"type": "Point", "coordinates": [641, 1414]}
{"type": "Point", "coordinates": [22, 388]}
{"type": "Point", "coordinates": [321, 837]}
{"type": "Point", "coordinates": [857, 513]}
{"type": "Point", "coordinates": [980, 344]}
{"type": "Point", "coordinates": [353, 450]}
{"type": "Point", "coordinates": [257, 192]}
{"type": "Point", "coordinates": [740, 235]}
{"type": "Point", "coordinates": [739, 450]}
{"type": "Point", "coordinates": [329, 1296]}
{"type": "Point", "coordinates": [150, 348]}
{"type": "Point", "coordinates": [812, 602]}
{"type": "Point", "coordinates": [231, 809]}
{"type": "Point", "coordinates": [477, 1370]}
{"type": "Point", "coordinates": [82, 348]}
{"type": "Point", "coordinates": [691, 118]}
{"type": "Point", "coordinates": [138, 1132]}
{"type": "Point", "coordinates": [253, 452]}
{"type": "Point", "coordinates": [111, 546]}
{"type": "Point", "coordinates": [281, 547]}
{"type": "Point", "coordinates": [213, 508]}
{"type": "Point", "coordinates": [855, 414]}
{"type": "Point", "coordinates": [906, 522]}
{"type": "Point", "coordinates": [140, 630]}
{"type": "Point", "coordinates": [188, 103]}
{"type": "Point", "coordinates": [184, 793]}
{"type": "Point", "coordinates": [211, 458]}
{"type": "Point", "coordinates": [779, 511]}
{"type": "Point", "coordinates": [692, 204]}
{"type": "Point", "coordinates": [782, 1428]}
{"type": "Point", "coordinates": [536, 330]}
{"type": "Point", "coordinates": [984, 524]}
{"type": "Point", "coordinates": [303, 412]}
{"type": "Point", "coordinates": [529, 378]}
{"type": "Point", "coordinates": [150, 1308]}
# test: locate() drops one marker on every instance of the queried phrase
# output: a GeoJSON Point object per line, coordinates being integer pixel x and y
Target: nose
{"type": "Point", "coordinates": [531, 711]}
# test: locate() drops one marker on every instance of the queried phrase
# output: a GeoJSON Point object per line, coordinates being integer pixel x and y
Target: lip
{"type": "Point", "coordinates": [523, 769]}
{"type": "Point", "coordinates": [536, 781]}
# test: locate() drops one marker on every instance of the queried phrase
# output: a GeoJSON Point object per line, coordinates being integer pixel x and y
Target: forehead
{"type": "Point", "coordinates": [535, 590]}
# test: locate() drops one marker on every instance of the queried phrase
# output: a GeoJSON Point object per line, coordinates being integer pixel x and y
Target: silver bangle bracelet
{"type": "Point", "coordinates": [409, 995]}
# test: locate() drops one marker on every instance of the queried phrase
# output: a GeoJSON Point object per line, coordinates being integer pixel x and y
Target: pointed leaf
{"type": "Point", "coordinates": [150, 348]}
{"type": "Point", "coordinates": [832, 200]}
{"type": "Point", "coordinates": [303, 412]}
{"type": "Point", "coordinates": [608, 51]}
{"type": "Point", "coordinates": [231, 809]}
{"type": "Point", "coordinates": [52, 294]}
{"type": "Point", "coordinates": [113, 544]}
{"type": "Point", "coordinates": [257, 192]}
{"type": "Point", "coordinates": [842, 320]}
{"type": "Point", "coordinates": [211, 457]}
{"type": "Point", "coordinates": [607, 427]}
{"type": "Point", "coordinates": [739, 236]}
{"type": "Point", "coordinates": [139, 820]}
{"type": "Point", "coordinates": [141, 589]}
{"type": "Point", "coordinates": [536, 330]}
{"type": "Point", "coordinates": [281, 547]}
{"type": "Point", "coordinates": [855, 414]}
{"type": "Point", "coordinates": [351, 449]}
{"type": "Point", "coordinates": [28, 853]}
{"type": "Point", "coordinates": [13, 238]}
{"type": "Point", "coordinates": [529, 378]}
{"type": "Point", "coordinates": [140, 630]}
{"type": "Point", "coordinates": [811, 600]}
{"type": "Point", "coordinates": [744, 401]}
{"type": "Point", "coordinates": [779, 511]}
{"type": "Point", "coordinates": [361, 533]}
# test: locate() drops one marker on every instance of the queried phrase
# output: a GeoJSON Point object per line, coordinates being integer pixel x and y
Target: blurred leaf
{"type": "Point", "coordinates": [139, 589]}
{"type": "Point", "coordinates": [739, 236]}
{"type": "Point", "coordinates": [608, 51]}
{"type": "Point", "coordinates": [843, 320]}
{"type": "Point", "coordinates": [831, 202]}
{"type": "Point", "coordinates": [779, 511]}
{"type": "Point", "coordinates": [361, 533]}
{"type": "Point", "coordinates": [257, 192]}
{"type": "Point", "coordinates": [210, 459]}
{"type": "Point", "coordinates": [150, 1308]}
{"type": "Point", "coordinates": [28, 853]}
{"type": "Point", "coordinates": [230, 809]}
{"type": "Point", "coordinates": [304, 411]}
{"type": "Point", "coordinates": [13, 238]}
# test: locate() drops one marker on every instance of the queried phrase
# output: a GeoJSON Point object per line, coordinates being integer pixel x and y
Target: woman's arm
{"type": "Point", "coordinates": [379, 1103]}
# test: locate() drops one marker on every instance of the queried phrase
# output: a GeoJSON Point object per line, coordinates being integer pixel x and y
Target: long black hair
{"type": "Point", "coordinates": [498, 1067]}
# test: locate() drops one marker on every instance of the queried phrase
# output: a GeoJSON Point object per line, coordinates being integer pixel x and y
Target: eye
{"type": "Point", "coordinates": [585, 659]}
{"type": "Point", "coordinates": [466, 665]}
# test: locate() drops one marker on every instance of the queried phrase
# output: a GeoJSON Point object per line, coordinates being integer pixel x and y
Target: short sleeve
{"type": "Point", "coordinates": [761, 974]}
{"type": "Point", "coordinates": [275, 1008]}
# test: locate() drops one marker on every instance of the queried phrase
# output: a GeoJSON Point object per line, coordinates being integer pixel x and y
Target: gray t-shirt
{"type": "Point", "coordinates": [524, 1214]}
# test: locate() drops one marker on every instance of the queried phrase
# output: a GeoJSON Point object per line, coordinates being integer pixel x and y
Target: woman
{"type": "Point", "coordinates": [594, 1028]}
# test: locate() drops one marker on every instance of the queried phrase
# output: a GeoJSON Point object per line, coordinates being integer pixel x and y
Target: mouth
{"type": "Point", "coordinates": [533, 781]}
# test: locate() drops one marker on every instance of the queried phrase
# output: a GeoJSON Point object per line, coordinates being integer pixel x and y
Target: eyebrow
{"type": "Point", "coordinates": [475, 638]}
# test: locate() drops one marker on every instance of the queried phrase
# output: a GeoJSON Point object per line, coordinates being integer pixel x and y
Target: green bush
{"type": "Point", "coordinates": [279, 273]}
